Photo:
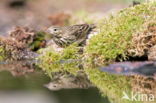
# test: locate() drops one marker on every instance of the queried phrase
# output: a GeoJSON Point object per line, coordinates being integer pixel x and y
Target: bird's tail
{"type": "Point", "coordinates": [92, 26]}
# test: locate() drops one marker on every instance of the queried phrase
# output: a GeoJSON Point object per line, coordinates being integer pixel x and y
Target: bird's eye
{"type": "Point", "coordinates": [54, 86]}
{"type": "Point", "coordinates": [55, 29]}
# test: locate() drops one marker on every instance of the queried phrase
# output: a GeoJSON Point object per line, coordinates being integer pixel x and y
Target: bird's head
{"type": "Point", "coordinates": [54, 31]}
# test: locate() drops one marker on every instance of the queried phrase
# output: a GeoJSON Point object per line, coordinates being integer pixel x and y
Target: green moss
{"type": "Point", "coordinates": [40, 37]}
{"type": "Point", "coordinates": [67, 60]}
{"type": "Point", "coordinates": [115, 34]}
{"type": "Point", "coordinates": [2, 54]}
{"type": "Point", "coordinates": [110, 85]}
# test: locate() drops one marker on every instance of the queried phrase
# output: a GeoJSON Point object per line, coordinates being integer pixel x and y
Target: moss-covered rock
{"type": "Point", "coordinates": [128, 33]}
{"type": "Point", "coordinates": [117, 33]}
{"type": "Point", "coordinates": [67, 60]}
{"type": "Point", "coordinates": [29, 38]}
{"type": "Point", "coordinates": [13, 50]}
{"type": "Point", "coordinates": [119, 36]}
{"type": "Point", "coordinates": [10, 49]}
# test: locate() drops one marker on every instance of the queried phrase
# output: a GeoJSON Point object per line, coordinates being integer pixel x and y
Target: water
{"type": "Point", "coordinates": [28, 87]}
{"type": "Point", "coordinates": [24, 82]}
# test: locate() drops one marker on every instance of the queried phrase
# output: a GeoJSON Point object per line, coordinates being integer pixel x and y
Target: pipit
{"type": "Point", "coordinates": [64, 36]}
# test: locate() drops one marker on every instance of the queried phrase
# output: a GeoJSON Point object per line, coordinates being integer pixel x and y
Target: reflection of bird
{"type": "Point", "coordinates": [64, 36]}
{"type": "Point", "coordinates": [69, 81]}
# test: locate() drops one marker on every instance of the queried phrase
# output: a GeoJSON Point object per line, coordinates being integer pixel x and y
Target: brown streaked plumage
{"type": "Point", "coordinates": [64, 36]}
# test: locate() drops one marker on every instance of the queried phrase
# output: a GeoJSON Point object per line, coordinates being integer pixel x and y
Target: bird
{"type": "Point", "coordinates": [66, 35]}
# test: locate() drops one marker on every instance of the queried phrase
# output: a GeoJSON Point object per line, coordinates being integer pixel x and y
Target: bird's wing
{"type": "Point", "coordinates": [78, 30]}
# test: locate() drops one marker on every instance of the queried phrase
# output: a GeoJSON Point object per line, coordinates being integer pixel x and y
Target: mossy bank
{"type": "Point", "coordinates": [129, 33]}
{"type": "Point", "coordinates": [122, 35]}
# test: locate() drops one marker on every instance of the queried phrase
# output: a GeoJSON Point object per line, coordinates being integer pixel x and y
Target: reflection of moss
{"type": "Point", "coordinates": [116, 32]}
{"type": "Point", "coordinates": [144, 84]}
{"type": "Point", "coordinates": [2, 54]}
{"type": "Point", "coordinates": [112, 86]}
{"type": "Point", "coordinates": [67, 60]}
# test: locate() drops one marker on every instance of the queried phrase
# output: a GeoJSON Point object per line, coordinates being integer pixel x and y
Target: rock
{"type": "Point", "coordinates": [13, 50]}
{"type": "Point", "coordinates": [147, 68]}
{"type": "Point", "coordinates": [23, 35]}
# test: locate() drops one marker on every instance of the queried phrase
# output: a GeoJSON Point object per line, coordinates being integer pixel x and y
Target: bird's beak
{"type": "Point", "coordinates": [48, 31]}
{"type": "Point", "coordinates": [49, 34]}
